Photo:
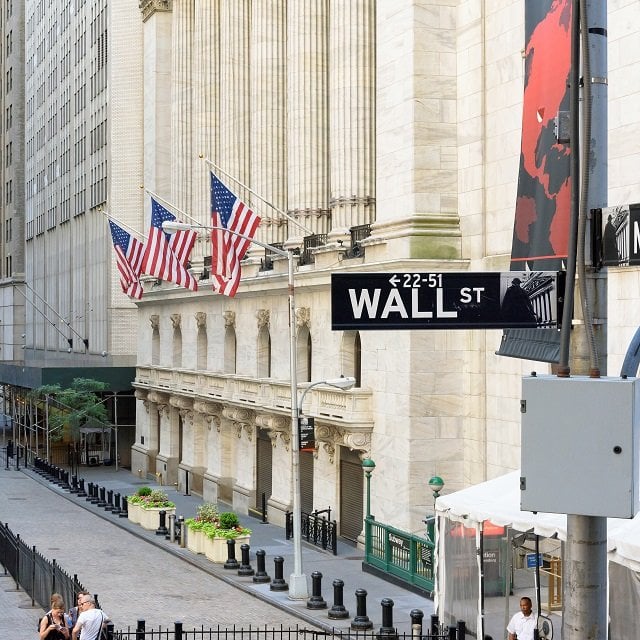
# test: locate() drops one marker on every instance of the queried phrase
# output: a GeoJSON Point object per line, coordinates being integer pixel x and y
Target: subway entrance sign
{"type": "Point", "coordinates": [446, 300]}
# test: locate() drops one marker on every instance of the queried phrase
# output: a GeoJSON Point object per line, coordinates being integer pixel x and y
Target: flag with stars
{"type": "Point", "coordinates": [229, 212]}
{"type": "Point", "coordinates": [166, 255]}
{"type": "Point", "coordinates": [129, 253]}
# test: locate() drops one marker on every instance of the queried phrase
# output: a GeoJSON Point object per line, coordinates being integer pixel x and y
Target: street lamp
{"type": "Point", "coordinates": [436, 483]}
{"type": "Point", "coordinates": [297, 580]}
{"type": "Point", "coordinates": [368, 465]}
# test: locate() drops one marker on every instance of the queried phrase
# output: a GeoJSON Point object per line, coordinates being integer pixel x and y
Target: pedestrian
{"type": "Point", "coordinates": [74, 612]}
{"type": "Point", "coordinates": [523, 624]}
{"type": "Point", "coordinates": [91, 621]}
{"type": "Point", "coordinates": [52, 624]}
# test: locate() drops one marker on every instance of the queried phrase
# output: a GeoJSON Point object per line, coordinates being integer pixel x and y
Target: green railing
{"type": "Point", "coordinates": [406, 556]}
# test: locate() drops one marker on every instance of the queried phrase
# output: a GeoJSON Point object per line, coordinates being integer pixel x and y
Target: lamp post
{"type": "Point", "coordinates": [435, 484]}
{"type": "Point", "coordinates": [368, 465]}
{"type": "Point", "coordinates": [297, 580]}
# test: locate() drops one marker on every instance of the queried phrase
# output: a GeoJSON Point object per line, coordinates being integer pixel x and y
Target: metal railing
{"type": "Point", "coordinates": [316, 529]}
{"type": "Point", "coordinates": [404, 555]}
{"type": "Point", "coordinates": [38, 576]}
{"type": "Point", "coordinates": [435, 631]}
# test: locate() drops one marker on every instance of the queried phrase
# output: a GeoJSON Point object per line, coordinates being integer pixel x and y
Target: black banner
{"type": "Point", "coordinates": [444, 300]}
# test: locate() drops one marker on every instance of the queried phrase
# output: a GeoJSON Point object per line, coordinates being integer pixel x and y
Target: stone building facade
{"type": "Point", "coordinates": [389, 135]}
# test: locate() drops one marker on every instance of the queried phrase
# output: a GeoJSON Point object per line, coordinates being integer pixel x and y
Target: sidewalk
{"type": "Point", "coordinates": [346, 566]}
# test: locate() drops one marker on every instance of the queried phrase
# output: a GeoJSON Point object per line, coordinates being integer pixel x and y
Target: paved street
{"type": "Point", "coordinates": [139, 575]}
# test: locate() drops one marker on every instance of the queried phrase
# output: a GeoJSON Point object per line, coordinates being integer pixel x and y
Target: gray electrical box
{"type": "Point", "coordinates": [580, 446]}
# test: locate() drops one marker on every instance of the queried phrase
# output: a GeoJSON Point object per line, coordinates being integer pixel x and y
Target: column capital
{"type": "Point", "coordinates": [149, 7]}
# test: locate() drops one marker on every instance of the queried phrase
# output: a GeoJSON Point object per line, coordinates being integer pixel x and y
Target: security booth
{"type": "Point", "coordinates": [95, 445]}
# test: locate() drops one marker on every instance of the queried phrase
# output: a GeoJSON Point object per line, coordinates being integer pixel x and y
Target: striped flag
{"type": "Point", "coordinates": [166, 255]}
{"type": "Point", "coordinates": [229, 212]}
{"type": "Point", "coordinates": [129, 253]}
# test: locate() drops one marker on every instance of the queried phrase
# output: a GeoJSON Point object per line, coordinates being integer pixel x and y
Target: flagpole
{"type": "Point", "coordinates": [126, 227]}
{"type": "Point", "coordinates": [257, 195]}
{"type": "Point", "coordinates": [171, 206]}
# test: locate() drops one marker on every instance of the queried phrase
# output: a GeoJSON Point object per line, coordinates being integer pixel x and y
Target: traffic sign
{"type": "Point", "coordinates": [446, 300]}
{"type": "Point", "coordinates": [531, 560]}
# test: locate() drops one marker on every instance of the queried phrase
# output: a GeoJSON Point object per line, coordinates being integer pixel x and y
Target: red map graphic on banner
{"type": "Point", "coordinates": [541, 228]}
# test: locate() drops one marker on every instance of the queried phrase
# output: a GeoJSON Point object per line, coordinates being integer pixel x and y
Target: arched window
{"type": "Point", "coordinates": [304, 354]}
{"type": "Point", "coordinates": [155, 346]}
{"type": "Point", "coordinates": [351, 355]}
{"type": "Point", "coordinates": [177, 348]}
{"type": "Point", "coordinates": [264, 352]}
{"type": "Point", "coordinates": [230, 350]}
{"type": "Point", "coordinates": [201, 348]}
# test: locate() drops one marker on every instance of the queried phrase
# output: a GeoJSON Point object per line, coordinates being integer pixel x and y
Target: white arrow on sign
{"type": "Point", "coordinates": [394, 280]}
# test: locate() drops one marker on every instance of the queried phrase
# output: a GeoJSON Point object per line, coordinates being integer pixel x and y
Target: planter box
{"type": "Point", "coordinates": [133, 512]}
{"type": "Point", "coordinates": [150, 518]}
{"type": "Point", "coordinates": [216, 548]}
{"type": "Point", "coordinates": [195, 540]}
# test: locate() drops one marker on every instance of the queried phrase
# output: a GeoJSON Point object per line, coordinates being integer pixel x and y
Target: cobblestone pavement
{"type": "Point", "coordinates": [139, 575]}
{"type": "Point", "coordinates": [134, 579]}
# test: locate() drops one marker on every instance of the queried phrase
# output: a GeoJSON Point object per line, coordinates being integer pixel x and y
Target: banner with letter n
{"type": "Point", "coordinates": [446, 300]}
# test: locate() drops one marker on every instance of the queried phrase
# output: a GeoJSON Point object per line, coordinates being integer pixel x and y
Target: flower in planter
{"type": "Point", "coordinates": [207, 513]}
{"type": "Point", "coordinates": [228, 526]}
{"type": "Point", "coordinates": [149, 498]}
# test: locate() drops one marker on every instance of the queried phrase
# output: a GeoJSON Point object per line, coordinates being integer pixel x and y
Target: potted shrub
{"type": "Point", "coordinates": [150, 504]}
{"type": "Point", "coordinates": [134, 508]}
{"type": "Point", "coordinates": [227, 527]}
{"type": "Point", "coordinates": [206, 513]}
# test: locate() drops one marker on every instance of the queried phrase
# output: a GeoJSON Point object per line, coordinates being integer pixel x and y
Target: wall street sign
{"type": "Point", "coordinates": [445, 300]}
{"type": "Point", "coordinates": [617, 235]}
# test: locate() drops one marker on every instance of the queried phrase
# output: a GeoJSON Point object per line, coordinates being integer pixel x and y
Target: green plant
{"type": "Point", "coordinates": [149, 498]}
{"type": "Point", "coordinates": [208, 512]}
{"type": "Point", "coordinates": [229, 520]}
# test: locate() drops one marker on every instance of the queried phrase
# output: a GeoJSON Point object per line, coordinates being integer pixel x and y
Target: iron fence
{"type": "Point", "coordinates": [316, 529]}
{"type": "Point", "coordinates": [38, 576]}
{"type": "Point", "coordinates": [435, 631]}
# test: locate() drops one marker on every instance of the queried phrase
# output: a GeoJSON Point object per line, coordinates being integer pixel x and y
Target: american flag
{"type": "Point", "coordinates": [166, 255]}
{"type": "Point", "coordinates": [228, 212]}
{"type": "Point", "coordinates": [128, 260]}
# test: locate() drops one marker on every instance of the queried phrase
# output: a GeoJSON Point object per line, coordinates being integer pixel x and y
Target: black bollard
{"type": "Point", "coordinates": [452, 632]}
{"type": "Point", "coordinates": [90, 492]}
{"type": "Point", "coordinates": [278, 583]}
{"type": "Point", "coordinates": [74, 484]}
{"type": "Point", "coordinates": [461, 630]}
{"type": "Point", "coordinates": [162, 529]}
{"type": "Point", "coordinates": [109, 631]}
{"type": "Point", "coordinates": [102, 497]}
{"type": "Point", "coordinates": [316, 601]}
{"type": "Point", "coordinates": [245, 567]}
{"type": "Point", "coordinates": [124, 508]}
{"type": "Point", "coordinates": [109, 505]}
{"type": "Point", "coordinates": [81, 492]}
{"type": "Point", "coordinates": [387, 630]}
{"type": "Point", "coordinates": [116, 504]}
{"type": "Point", "coordinates": [416, 622]}
{"type": "Point", "coordinates": [140, 630]}
{"type": "Point", "coordinates": [361, 621]}
{"type": "Point", "coordinates": [435, 624]}
{"type": "Point", "coordinates": [338, 610]}
{"type": "Point", "coordinates": [231, 562]}
{"type": "Point", "coordinates": [177, 630]}
{"type": "Point", "coordinates": [261, 576]}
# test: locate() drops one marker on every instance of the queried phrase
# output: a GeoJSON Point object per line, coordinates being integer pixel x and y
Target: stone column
{"type": "Point", "coordinates": [206, 115]}
{"type": "Point", "coordinates": [235, 97]}
{"type": "Point", "coordinates": [352, 104]}
{"type": "Point", "coordinates": [308, 116]}
{"type": "Point", "coordinates": [182, 153]}
{"type": "Point", "coordinates": [157, 96]}
{"type": "Point", "coordinates": [268, 116]}
{"type": "Point", "coordinates": [416, 174]}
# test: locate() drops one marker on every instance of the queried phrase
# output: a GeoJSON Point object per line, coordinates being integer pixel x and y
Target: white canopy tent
{"type": "Point", "coordinates": [498, 501]}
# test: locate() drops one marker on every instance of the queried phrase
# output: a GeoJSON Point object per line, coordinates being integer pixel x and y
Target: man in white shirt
{"type": "Point", "coordinates": [523, 623]}
{"type": "Point", "coordinates": [90, 621]}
